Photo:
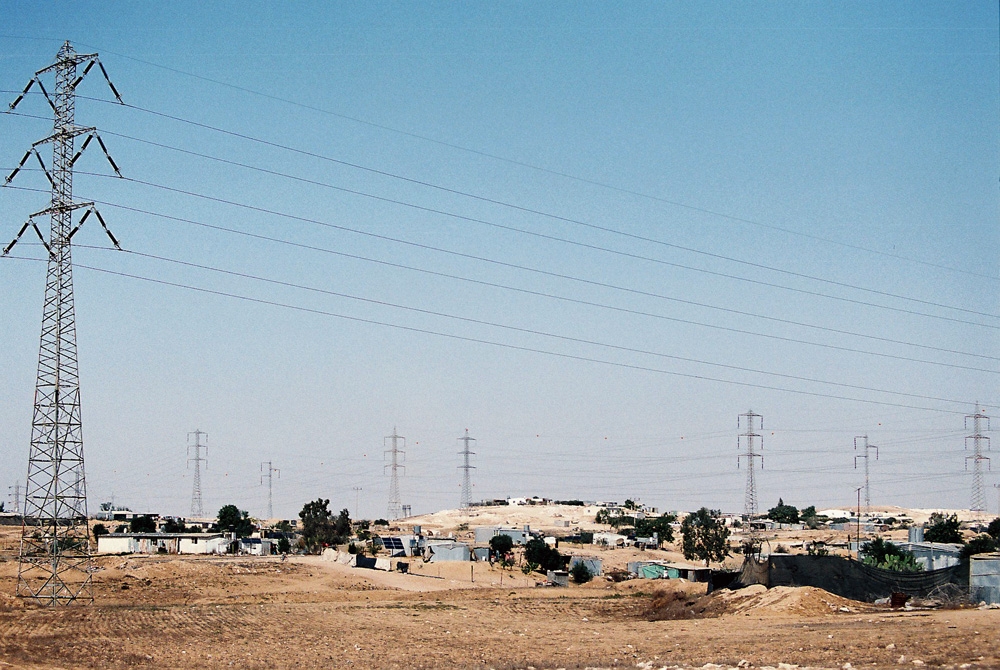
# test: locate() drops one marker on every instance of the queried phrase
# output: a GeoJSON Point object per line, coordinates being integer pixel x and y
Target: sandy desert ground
{"type": "Point", "coordinates": [193, 612]}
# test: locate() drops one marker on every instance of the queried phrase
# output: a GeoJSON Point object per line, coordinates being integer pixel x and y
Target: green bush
{"type": "Point", "coordinates": [581, 573]}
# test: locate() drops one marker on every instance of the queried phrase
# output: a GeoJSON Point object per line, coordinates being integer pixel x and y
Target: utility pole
{"type": "Point", "coordinates": [395, 508]}
{"type": "Point", "coordinates": [54, 562]}
{"type": "Point", "coordinates": [858, 491]}
{"type": "Point", "coordinates": [867, 447]}
{"type": "Point", "coordinates": [270, 499]}
{"type": "Point", "coordinates": [357, 501]}
{"type": "Point", "coordinates": [465, 468]}
{"type": "Point", "coordinates": [750, 440]}
{"type": "Point", "coordinates": [197, 508]}
{"type": "Point", "coordinates": [979, 441]}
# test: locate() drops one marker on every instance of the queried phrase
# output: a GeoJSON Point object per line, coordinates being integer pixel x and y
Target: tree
{"type": "Point", "coordinates": [174, 526]}
{"type": "Point", "coordinates": [233, 519]}
{"type": "Point", "coordinates": [705, 536]}
{"type": "Point", "coordinates": [942, 528]}
{"type": "Point", "coordinates": [319, 526]}
{"type": "Point", "coordinates": [142, 524]}
{"type": "Point", "coordinates": [630, 504]}
{"type": "Point", "coordinates": [547, 558]}
{"type": "Point", "coordinates": [883, 554]}
{"type": "Point", "coordinates": [98, 530]}
{"type": "Point", "coordinates": [581, 573]}
{"type": "Point", "coordinates": [994, 529]}
{"type": "Point", "coordinates": [284, 546]}
{"type": "Point", "coordinates": [500, 546]}
{"type": "Point", "coordinates": [783, 513]}
{"type": "Point", "coordinates": [661, 525]}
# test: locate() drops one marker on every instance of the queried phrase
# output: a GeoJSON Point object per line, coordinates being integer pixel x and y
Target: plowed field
{"type": "Point", "coordinates": [192, 612]}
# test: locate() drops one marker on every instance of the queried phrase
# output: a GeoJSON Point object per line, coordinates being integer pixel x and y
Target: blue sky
{"type": "Point", "coordinates": [713, 207]}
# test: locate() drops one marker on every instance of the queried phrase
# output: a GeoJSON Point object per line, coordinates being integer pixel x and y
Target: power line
{"type": "Point", "coordinates": [565, 175]}
{"type": "Point", "coordinates": [465, 338]}
{"type": "Point", "coordinates": [550, 274]}
{"type": "Point", "coordinates": [502, 203]}
{"type": "Point", "coordinates": [531, 331]}
{"type": "Point", "coordinates": [594, 247]}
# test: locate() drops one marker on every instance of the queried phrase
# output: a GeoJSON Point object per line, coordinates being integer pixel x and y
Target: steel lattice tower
{"type": "Point", "coordinates": [465, 467]}
{"type": "Point", "coordinates": [750, 439]}
{"type": "Point", "coordinates": [197, 508]}
{"type": "Point", "coordinates": [54, 565]}
{"type": "Point", "coordinates": [395, 508]}
{"type": "Point", "coordinates": [978, 442]}
{"type": "Point", "coordinates": [867, 447]}
{"type": "Point", "coordinates": [270, 498]}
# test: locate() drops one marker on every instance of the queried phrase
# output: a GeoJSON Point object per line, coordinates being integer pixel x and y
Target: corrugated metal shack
{"type": "Point", "coordinates": [984, 578]}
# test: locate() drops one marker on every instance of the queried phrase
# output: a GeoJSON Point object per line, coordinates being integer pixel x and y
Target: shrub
{"type": "Point", "coordinates": [581, 573]}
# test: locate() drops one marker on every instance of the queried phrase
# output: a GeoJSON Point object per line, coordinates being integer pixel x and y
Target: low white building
{"type": "Point", "coordinates": [162, 543]}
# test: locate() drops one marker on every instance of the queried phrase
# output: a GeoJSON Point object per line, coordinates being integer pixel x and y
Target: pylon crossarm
{"type": "Point", "coordinates": [29, 222]}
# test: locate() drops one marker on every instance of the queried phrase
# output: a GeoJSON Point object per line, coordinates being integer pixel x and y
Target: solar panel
{"type": "Point", "coordinates": [394, 545]}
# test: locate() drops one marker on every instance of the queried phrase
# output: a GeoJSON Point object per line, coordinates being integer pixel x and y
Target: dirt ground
{"type": "Point", "coordinates": [193, 612]}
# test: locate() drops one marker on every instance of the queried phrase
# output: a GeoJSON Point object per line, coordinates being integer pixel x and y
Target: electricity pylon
{"type": "Point", "coordinates": [16, 498]}
{"type": "Point", "coordinates": [270, 472]}
{"type": "Point", "coordinates": [750, 439]}
{"type": "Point", "coordinates": [54, 561]}
{"type": "Point", "coordinates": [978, 442]}
{"type": "Point", "coordinates": [465, 467]}
{"type": "Point", "coordinates": [867, 447]}
{"type": "Point", "coordinates": [395, 507]}
{"type": "Point", "coordinates": [197, 508]}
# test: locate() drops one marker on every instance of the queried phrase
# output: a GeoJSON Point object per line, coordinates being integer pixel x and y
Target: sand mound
{"type": "Point", "coordinates": [793, 601]}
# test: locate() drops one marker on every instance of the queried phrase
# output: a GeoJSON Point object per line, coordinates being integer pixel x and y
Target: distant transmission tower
{"type": "Point", "coordinates": [465, 467]}
{"type": "Point", "coordinates": [197, 508]}
{"type": "Point", "coordinates": [867, 447]}
{"type": "Point", "coordinates": [54, 565]}
{"type": "Point", "coordinates": [750, 440]}
{"type": "Point", "coordinates": [16, 498]}
{"type": "Point", "coordinates": [269, 475]}
{"type": "Point", "coordinates": [979, 441]}
{"type": "Point", "coordinates": [395, 509]}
